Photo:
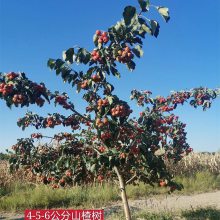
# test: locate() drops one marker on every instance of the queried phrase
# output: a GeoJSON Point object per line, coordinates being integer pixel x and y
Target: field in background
{"type": "Point", "coordinates": [198, 172]}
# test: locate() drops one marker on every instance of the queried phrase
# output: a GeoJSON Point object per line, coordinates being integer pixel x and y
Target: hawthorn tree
{"type": "Point", "coordinates": [104, 142]}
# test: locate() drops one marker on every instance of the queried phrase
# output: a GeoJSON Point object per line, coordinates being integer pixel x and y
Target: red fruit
{"type": "Point", "coordinates": [162, 183]}
{"type": "Point", "coordinates": [104, 34]}
{"type": "Point", "coordinates": [69, 173]}
{"type": "Point", "coordinates": [94, 52]}
{"type": "Point", "coordinates": [105, 136]}
{"type": "Point", "coordinates": [84, 84]}
{"type": "Point", "coordinates": [96, 78]}
{"type": "Point", "coordinates": [61, 100]}
{"type": "Point", "coordinates": [100, 41]}
{"type": "Point", "coordinates": [105, 121]}
{"type": "Point", "coordinates": [100, 178]}
{"type": "Point", "coordinates": [98, 32]}
{"type": "Point", "coordinates": [105, 39]}
{"type": "Point", "coordinates": [102, 149]}
{"type": "Point", "coordinates": [18, 99]}
{"type": "Point", "coordinates": [122, 155]}
{"type": "Point", "coordinates": [12, 75]}
{"type": "Point", "coordinates": [39, 88]}
{"type": "Point", "coordinates": [135, 150]}
{"type": "Point", "coordinates": [62, 181]}
{"type": "Point", "coordinates": [36, 135]}
{"type": "Point", "coordinates": [55, 186]}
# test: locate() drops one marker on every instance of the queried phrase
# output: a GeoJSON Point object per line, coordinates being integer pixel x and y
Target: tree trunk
{"type": "Point", "coordinates": [123, 194]}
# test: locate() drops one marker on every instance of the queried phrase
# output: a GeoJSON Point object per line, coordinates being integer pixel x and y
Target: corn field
{"type": "Point", "coordinates": [7, 179]}
{"type": "Point", "coordinates": [196, 162]}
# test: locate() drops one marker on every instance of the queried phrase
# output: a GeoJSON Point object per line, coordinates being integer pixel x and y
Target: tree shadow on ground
{"type": "Point", "coordinates": [202, 214]}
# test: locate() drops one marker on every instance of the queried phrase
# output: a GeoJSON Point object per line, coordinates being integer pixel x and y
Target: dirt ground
{"type": "Point", "coordinates": [169, 203]}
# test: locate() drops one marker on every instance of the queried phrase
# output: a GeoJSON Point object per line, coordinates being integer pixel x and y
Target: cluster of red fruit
{"type": "Point", "coordinates": [161, 100]}
{"type": "Point", "coordinates": [125, 55]}
{"type": "Point", "coordinates": [124, 133]}
{"type": "Point", "coordinates": [96, 56]}
{"type": "Point", "coordinates": [65, 135]}
{"type": "Point", "coordinates": [102, 149]}
{"type": "Point", "coordinates": [61, 100]}
{"type": "Point", "coordinates": [12, 75]}
{"type": "Point", "coordinates": [120, 111]}
{"type": "Point", "coordinates": [56, 183]}
{"type": "Point", "coordinates": [200, 95]}
{"type": "Point", "coordinates": [166, 108]}
{"type": "Point", "coordinates": [180, 98]}
{"type": "Point", "coordinates": [51, 122]}
{"type": "Point", "coordinates": [163, 129]}
{"type": "Point", "coordinates": [47, 180]}
{"type": "Point", "coordinates": [102, 103]}
{"type": "Point", "coordinates": [100, 123]}
{"type": "Point", "coordinates": [200, 98]}
{"type": "Point", "coordinates": [102, 37]}
{"type": "Point", "coordinates": [18, 98]}
{"type": "Point", "coordinates": [169, 120]}
{"type": "Point", "coordinates": [71, 121]}
{"type": "Point", "coordinates": [106, 136]}
{"type": "Point", "coordinates": [6, 89]}
{"type": "Point", "coordinates": [38, 88]}
{"type": "Point", "coordinates": [135, 150]}
{"type": "Point", "coordinates": [37, 135]}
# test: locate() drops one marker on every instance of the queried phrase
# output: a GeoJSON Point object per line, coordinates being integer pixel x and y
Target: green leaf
{"type": "Point", "coordinates": [144, 4]}
{"type": "Point", "coordinates": [58, 64]}
{"type": "Point", "coordinates": [138, 51]}
{"type": "Point", "coordinates": [131, 65]}
{"type": "Point", "coordinates": [92, 168]}
{"type": "Point", "coordinates": [110, 99]}
{"type": "Point", "coordinates": [95, 40]}
{"type": "Point", "coordinates": [155, 27]}
{"type": "Point", "coordinates": [128, 14]}
{"type": "Point", "coordinates": [67, 163]}
{"type": "Point", "coordinates": [146, 28]}
{"type": "Point", "coordinates": [51, 63]}
{"type": "Point", "coordinates": [164, 12]}
{"type": "Point", "coordinates": [110, 87]}
{"type": "Point", "coordinates": [83, 56]}
{"type": "Point", "coordinates": [68, 55]}
{"type": "Point", "coordinates": [78, 89]}
{"type": "Point", "coordinates": [115, 72]}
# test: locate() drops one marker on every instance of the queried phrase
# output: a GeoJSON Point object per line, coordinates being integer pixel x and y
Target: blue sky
{"type": "Point", "coordinates": [185, 55]}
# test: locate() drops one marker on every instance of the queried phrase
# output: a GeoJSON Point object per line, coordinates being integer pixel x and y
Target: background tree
{"type": "Point", "coordinates": [105, 142]}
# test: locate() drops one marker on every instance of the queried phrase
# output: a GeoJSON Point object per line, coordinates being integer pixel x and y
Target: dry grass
{"type": "Point", "coordinates": [9, 180]}
{"type": "Point", "coordinates": [195, 163]}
